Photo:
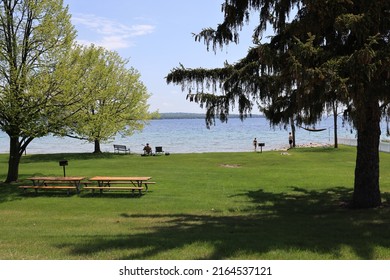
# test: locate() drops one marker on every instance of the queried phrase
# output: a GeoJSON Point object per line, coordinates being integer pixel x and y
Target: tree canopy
{"type": "Point", "coordinates": [328, 51]}
{"type": "Point", "coordinates": [113, 97]}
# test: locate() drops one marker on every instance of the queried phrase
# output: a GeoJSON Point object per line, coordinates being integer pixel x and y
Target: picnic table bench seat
{"type": "Point", "coordinates": [45, 187]}
{"type": "Point", "coordinates": [54, 184]}
{"type": "Point", "coordinates": [101, 189]}
{"type": "Point", "coordinates": [144, 183]}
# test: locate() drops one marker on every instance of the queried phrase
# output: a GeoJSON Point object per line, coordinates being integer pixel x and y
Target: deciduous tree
{"type": "Point", "coordinates": [114, 98]}
{"type": "Point", "coordinates": [34, 34]}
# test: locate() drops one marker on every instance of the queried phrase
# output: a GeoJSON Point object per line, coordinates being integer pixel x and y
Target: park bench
{"type": "Point", "coordinates": [121, 148]}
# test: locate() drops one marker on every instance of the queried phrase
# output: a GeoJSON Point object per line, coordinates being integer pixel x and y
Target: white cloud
{"type": "Point", "coordinates": [110, 34]}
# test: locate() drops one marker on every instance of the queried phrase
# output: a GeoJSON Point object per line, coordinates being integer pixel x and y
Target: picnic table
{"type": "Point", "coordinates": [128, 183]}
{"type": "Point", "coordinates": [54, 183]}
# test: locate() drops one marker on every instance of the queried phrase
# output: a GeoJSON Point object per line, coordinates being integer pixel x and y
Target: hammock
{"type": "Point", "coordinates": [313, 129]}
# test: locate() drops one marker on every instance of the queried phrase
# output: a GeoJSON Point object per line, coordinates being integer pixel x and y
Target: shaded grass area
{"type": "Point", "coordinates": [204, 206]}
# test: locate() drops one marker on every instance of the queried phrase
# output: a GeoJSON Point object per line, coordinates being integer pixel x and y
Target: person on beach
{"type": "Point", "coordinates": [255, 143]}
{"type": "Point", "coordinates": [290, 140]}
{"type": "Point", "coordinates": [147, 149]}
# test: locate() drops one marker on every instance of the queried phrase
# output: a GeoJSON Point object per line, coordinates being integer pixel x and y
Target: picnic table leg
{"type": "Point", "coordinates": [103, 184]}
{"type": "Point", "coordinates": [77, 185]}
{"type": "Point", "coordinates": [37, 182]}
{"type": "Point", "coordinates": [140, 185]}
{"type": "Point", "coordinates": [139, 192]}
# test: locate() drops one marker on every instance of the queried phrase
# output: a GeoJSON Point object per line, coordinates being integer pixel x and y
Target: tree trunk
{"type": "Point", "coordinates": [97, 147]}
{"type": "Point", "coordinates": [336, 143]}
{"type": "Point", "coordinates": [14, 160]}
{"type": "Point", "coordinates": [293, 131]}
{"type": "Point", "coordinates": [366, 189]}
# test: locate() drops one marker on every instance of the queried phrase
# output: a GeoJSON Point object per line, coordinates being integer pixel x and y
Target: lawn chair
{"type": "Point", "coordinates": [159, 150]}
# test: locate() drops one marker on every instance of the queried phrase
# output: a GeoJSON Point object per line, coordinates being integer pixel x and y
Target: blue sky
{"type": "Point", "coordinates": [156, 35]}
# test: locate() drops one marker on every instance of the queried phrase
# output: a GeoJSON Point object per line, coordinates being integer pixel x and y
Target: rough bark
{"type": "Point", "coordinates": [97, 149]}
{"type": "Point", "coordinates": [14, 160]}
{"type": "Point", "coordinates": [293, 131]}
{"type": "Point", "coordinates": [366, 188]}
{"type": "Point", "coordinates": [336, 143]}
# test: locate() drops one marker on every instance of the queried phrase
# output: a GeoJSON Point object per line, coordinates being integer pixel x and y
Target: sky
{"type": "Point", "coordinates": [156, 37]}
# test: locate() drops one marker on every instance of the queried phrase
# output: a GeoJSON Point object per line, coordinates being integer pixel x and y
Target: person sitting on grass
{"type": "Point", "coordinates": [147, 150]}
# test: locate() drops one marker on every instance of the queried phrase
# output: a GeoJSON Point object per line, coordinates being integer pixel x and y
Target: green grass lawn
{"type": "Point", "coordinates": [203, 206]}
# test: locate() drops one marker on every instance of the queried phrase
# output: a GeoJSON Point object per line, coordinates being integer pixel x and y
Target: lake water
{"type": "Point", "coordinates": [192, 136]}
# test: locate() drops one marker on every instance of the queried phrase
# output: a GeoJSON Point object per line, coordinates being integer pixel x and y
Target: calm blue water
{"type": "Point", "coordinates": [192, 136]}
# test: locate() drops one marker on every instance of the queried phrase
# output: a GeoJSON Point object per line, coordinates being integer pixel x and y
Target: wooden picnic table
{"type": "Point", "coordinates": [50, 182]}
{"type": "Point", "coordinates": [133, 183]}
{"type": "Point", "coordinates": [39, 180]}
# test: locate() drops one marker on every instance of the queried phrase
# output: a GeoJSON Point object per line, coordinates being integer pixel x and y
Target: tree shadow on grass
{"type": "Point", "coordinates": [9, 192]}
{"type": "Point", "coordinates": [70, 156]}
{"type": "Point", "coordinates": [277, 225]}
{"type": "Point", "coordinates": [326, 149]}
{"type": "Point", "coordinates": [112, 195]}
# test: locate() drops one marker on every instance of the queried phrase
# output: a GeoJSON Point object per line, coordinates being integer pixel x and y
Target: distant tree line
{"type": "Point", "coordinates": [179, 115]}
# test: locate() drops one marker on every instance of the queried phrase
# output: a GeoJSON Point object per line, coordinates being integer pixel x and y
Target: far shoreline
{"type": "Point", "coordinates": [183, 115]}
